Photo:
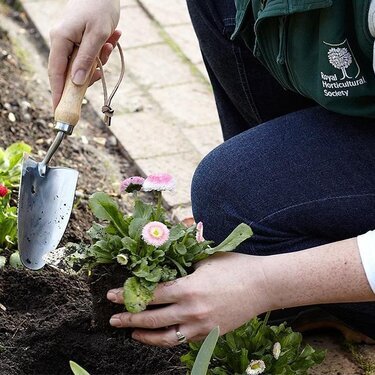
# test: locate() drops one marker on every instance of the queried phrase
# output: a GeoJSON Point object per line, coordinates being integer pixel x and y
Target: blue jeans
{"type": "Point", "coordinates": [299, 175]}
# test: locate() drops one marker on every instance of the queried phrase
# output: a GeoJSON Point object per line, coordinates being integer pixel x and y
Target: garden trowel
{"type": "Point", "coordinates": [46, 194]}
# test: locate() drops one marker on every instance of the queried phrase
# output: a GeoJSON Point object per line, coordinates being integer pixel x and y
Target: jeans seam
{"type": "Point", "coordinates": [312, 201]}
{"type": "Point", "coordinates": [245, 83]}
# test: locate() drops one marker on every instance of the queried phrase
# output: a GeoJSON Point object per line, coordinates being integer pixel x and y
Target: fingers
{"type": "Point", "coordinates": [61, 49]}
{"type": "Point", "coordinates": [106, 52]}
{"type": "Point", "coordinates": [149, 319]}
{"type": "Point", "coordinates": [92, 43]}
{"type": "Point", "coordinates": [114, 38]}
{"type": "Point", "coordinates": [87, 52]}
{"type": "Point", "coordinates": [163, 337]}
{"type": "Point", "coordinates": [164, 293]}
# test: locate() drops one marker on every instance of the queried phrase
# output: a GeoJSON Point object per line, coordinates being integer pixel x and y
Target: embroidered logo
{"type": "Point", "coordinates": [341, 57]}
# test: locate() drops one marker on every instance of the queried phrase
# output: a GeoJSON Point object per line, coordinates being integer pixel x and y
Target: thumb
{"type": "Point", "coordinates": [87, 52]}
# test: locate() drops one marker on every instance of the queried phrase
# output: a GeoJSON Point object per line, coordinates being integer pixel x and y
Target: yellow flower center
{"type": "Point", "coordinates": [156, 232]}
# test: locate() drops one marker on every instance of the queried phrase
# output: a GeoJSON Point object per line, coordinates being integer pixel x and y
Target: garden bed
{"type": "Point", "coordinates": [46, 316]}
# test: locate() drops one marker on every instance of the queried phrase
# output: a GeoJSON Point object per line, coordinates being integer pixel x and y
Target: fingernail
{"type": "Point", "coordinates": [79, 77]}
{"type": "Point", "coordinates": [115, 322]}
{"type": "Point", "coordinates": [112, 296]}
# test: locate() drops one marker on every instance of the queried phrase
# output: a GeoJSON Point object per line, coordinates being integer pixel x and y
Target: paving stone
{"type": "Point", "coordinates": [338, 361]}
{"type": "Point", "coordinates": [45, 14]}
{"type": "Point", "coordinates": [202, 68]}
{"type": "Point", "coordinates": [181, 166]}
{"type": "Point", "coordinates": [123, 101]}
{"type": "Point", "coordinates": [184, 36]}
{"type": "Point", "coordinates": [158, 65]}
{"type": "Point", "coordinates": [137, 28]}
{"type": "Point", "coordinates": [146, 135]}
{"type": "Point", "coordinates": [204, 138]}
{"type": "Point", "coordinates": [126, 3]}
{"type": "Point", "coordinates": [181, 213]}
{"type": "Point", "coordinates": [191, 104]}
{"type": "Point", "coordinates": [168, 12]}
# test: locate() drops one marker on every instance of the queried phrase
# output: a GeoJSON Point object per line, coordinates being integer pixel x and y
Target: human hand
{"type": "Point", "coordinates": [225, 290]}
{"type": "Point", "coordinates": [91, 24]}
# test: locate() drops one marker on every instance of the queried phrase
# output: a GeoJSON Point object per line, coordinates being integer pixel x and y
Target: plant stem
{"type": "Point", "coordinates": [158, 206]}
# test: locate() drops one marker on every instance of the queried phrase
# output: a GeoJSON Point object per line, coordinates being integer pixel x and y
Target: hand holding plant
{"type": "Point", "coordinates": [145, 243]}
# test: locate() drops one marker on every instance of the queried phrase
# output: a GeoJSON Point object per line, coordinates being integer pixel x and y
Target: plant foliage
{"type": "Point", "coordinates": [10, 175]}
{"type": "Point", "coordinates": [256, 340]}
{"type": "Point", "coordinates": [118, 238]}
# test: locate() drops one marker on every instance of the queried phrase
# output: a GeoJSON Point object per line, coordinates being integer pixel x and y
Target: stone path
{"type": "Point", "coordinates": [166, 118]}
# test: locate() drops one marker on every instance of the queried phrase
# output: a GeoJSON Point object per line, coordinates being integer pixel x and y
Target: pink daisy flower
{"type": "Point", "coordinates": [159, 182]}
{"type": "Point", "coordinates": [155, 233]}
{"type": "Point", "coordinates": [131, 184]}
{"type": "Point", "coordinates": [199, 233]}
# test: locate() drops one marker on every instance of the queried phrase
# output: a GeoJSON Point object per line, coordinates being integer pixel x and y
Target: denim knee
{"type": "Point", "coordinates": [213, 196]}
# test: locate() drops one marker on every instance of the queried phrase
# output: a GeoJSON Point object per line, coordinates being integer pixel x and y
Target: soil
{"type": "Point", "coordinates": [46, 316]}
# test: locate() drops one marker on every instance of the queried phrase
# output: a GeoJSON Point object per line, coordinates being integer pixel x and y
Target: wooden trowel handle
{"type": "Point", "coordinates": [68, 110]}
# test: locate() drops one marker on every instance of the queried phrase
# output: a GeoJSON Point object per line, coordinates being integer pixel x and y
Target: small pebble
{"type": "Point", "coordinates": [136, 105]}
{"type": "Point", "coordinates": [12, 117]}
{"type": "Point", "coordinates": [100, 140]}
{"type": "Point", "coordinates": [26, 117]}
{"type": "Point", "coordinates": [25, 106]}
{"type": "Point", "coordinates": [111, 141]}
{"type": "Point", "coordinates": [2, 307]}
{"type": "Point", "coordinates": [40, 122]}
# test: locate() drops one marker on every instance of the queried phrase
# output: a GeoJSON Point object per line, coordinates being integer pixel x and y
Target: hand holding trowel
{"type": "Point", "coordinates": [46, 194]}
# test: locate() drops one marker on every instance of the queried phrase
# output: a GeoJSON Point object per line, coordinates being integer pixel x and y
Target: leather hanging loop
{"type": "Point", "coordinates": [107, 110]}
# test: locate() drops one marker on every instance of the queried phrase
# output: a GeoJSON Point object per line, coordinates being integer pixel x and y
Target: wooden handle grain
{"type": "Point", "coordinates": [68, 110]}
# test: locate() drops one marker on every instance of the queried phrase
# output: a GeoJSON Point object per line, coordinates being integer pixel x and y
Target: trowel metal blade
{"type": "Point", "coordinates": [44, 208]}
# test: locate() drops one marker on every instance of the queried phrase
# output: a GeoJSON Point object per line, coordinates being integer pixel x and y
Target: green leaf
{"type": "Point", "coordinates": [181, 269]}
{"type": "Point", "coordinates": [77, 370]}
{"type": "Point", "coordinates": [239, 234]}
{"type": "Point", "coordinates": [307, 351]}
{"type": "Point", "coordinates": [205, 353]}
{"type": "Point", "coordinates": [136, 226]}
{"type": "Point", "coordinates": [181, 248]}
{"type": "Point", "coordinates": [176, 232]}
{"type": "Point", "coordinates": [129, 244]}
{"type": "Point", "coordinates": [97, 231]}
{"type": "Point", "coordinates": [15, 260]}
{"type": "Point", "coordinates": [155, 275]}
{"type": "Point", "coordinates": [142, 210]}
{"type": "Point", "coordinates": [105, 208]}
{"type": "Point", "coordinates": [136, 295]}
{"type": "Point", "coordinates": [14, 153]}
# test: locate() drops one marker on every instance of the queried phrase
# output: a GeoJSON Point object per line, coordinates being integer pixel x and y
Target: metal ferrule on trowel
{"type": "Point", "coordinates": [46, 193]}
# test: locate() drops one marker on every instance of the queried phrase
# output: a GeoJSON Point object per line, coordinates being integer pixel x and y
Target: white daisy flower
{"type": "Point", "coordinates": [256, 367]}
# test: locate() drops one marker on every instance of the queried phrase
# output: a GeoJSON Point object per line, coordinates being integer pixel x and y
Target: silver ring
{"type": "Point", "coordinates": [180, 337]}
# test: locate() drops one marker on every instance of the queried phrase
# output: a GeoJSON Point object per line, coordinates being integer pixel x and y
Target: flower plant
{"type": "Point", "coordinates": [149, 247]}
{"type": "Point", "coordinates": [257, 348]}
{"type": "Point", "coordinates": [10, 175]}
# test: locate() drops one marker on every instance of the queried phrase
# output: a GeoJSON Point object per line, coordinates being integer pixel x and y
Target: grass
{"type": "Point", "coordinates": [366, 364]}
